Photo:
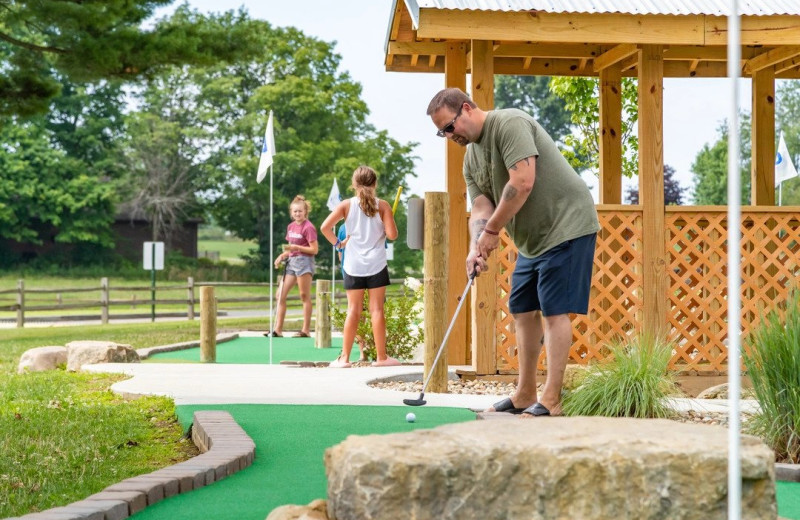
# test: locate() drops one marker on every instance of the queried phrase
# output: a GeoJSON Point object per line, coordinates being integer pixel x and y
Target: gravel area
{"type": "Point", "coordinates": [488, 387]}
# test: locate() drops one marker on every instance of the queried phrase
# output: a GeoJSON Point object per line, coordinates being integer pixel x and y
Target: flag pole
{"type": "Point", "coordinates": [271, 265]}
{"type": "Point", "coordinates": [734, 269]}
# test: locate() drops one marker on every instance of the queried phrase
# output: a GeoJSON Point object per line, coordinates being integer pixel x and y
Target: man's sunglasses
{"type": "Point", "coordinates": [450, 128]}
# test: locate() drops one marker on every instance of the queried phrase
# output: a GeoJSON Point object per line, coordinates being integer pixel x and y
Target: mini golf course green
{"type": "Point", "coordinates": [256, 351]}
{"type": "Point", "coordinates": [288, 468]}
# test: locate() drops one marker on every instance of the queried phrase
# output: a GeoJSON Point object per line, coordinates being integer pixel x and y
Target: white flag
{"type": "Point", "coordinates": [334, 198]}
{"type": "Point", "coordinates": [784, 168]}
{"type": "Point", "coordinates": [267, 151]}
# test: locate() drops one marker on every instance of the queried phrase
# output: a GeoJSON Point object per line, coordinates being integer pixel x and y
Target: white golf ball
{"type": "Point", "coordinates": [410, 417]}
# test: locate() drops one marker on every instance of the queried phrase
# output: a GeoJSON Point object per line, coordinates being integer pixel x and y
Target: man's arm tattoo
{"type": "Point", "coordinates": [476, 229]}
{"type": "Point", "coordinates": [526, 162]}
{"type": "Point", "coordinates": [509, 192]}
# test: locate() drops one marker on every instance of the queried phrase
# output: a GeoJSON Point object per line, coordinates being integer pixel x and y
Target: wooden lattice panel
{"type": "Point", "coordinates": [615, 303]}
{"type": "Point", "coordinates": [697, 248]}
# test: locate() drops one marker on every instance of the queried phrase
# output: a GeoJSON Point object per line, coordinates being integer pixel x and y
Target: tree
{"type": "Point", "coordinates": [99, 39]}
{"type": "Point", "coordinates": [581, 96]}
{"type": "Point", "coordinates": [47, 196]}
{"type": "Point", "coordinates": [710, 168]}
{"type": "Point", "coordinates": [533, 95]}
{"type": "Point", "coordinates": [673, 193]}
{"type": "Point", "coordinates": [321, 133]}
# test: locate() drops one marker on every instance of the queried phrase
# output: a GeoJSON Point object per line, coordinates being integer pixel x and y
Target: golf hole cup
{"type": "Point", "coordinates": [410, 417]}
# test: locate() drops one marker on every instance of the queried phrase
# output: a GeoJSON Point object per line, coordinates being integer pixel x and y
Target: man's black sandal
{"type": "Point", "coordinates": [537, 410]}
{"type": "Point", "coordinates": [507, 406]}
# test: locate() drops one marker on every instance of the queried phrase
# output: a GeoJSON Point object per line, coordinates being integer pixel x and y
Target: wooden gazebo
{"type": "Point", "coordinates": [657, 268]}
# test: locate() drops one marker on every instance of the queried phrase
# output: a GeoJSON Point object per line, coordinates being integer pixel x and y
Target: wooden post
{"type": "Point", "coordinates": [322, 334]}
{"type": "Point", "coordinates": [651, 188]}
{"type": "Point", "coordinates": [610, 144]}
{"type": "Point", "coordinates": [208, 325]}
{"type": "Point", "coordinates": [435, 293]}
{"type": "Point", "coordinates": [483, 297]}
{"type": "Point", "coordinates": [762, 173]}
{"type": "Point", "coordinates": [455, 75]}
{"type": "Point", "coordinates": [190, 298]}
{"type": "Point", "coordinates": [20, 303]}
{"type": "Point", "coordinates": [104, 300]}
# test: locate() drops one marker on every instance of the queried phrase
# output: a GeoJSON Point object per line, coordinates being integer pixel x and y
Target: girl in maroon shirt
{"type": "Point", "coordinates": [299, 257]}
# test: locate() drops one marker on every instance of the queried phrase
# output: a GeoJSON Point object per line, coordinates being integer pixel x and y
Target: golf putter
{"type": "Point", "coordinates": [421, 401]}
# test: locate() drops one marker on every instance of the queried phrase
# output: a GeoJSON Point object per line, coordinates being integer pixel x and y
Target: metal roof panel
{"type": "Point", "coordinates": [662, 7]}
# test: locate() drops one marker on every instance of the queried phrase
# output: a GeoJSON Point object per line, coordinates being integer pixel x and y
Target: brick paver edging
{"type": "Point", "coordinates": [225, 447]}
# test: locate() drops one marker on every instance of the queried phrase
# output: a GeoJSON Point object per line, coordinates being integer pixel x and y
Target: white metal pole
{"type": "Point", "coordinates": [333, 280]}
{"type": "Point", "coordinates": [734, 268]}
{"type": "Point", "coordinates": [780, 193]}
{"type": "Point", "coordinates": [271, 265]}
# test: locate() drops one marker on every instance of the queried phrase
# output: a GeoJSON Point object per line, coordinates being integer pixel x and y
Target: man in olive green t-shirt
{"type": "Point", "coordinates": [517, 179]}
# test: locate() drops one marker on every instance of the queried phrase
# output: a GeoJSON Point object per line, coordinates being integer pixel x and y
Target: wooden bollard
{"type": "Point", "coordinates": [323, 322]}
{"type": "Point", "coordinates": [208, 325]}
{"type": "Point", "coordinates": [435, 292]}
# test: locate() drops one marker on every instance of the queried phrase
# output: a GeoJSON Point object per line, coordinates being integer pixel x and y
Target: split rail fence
{"type": "Point", "coordinates": [100, 299]}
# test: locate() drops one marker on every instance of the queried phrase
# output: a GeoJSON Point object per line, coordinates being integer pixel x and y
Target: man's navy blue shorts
{"type": "Point", "coordinates": [555, 282]}
{"type": "Point", "coordinates": [380, 279]}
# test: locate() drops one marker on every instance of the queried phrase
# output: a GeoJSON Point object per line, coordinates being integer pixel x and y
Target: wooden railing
{"type": "Point", "coordinates": [22, 300]}
{"type": "Point", "coordinates": [696, 249]}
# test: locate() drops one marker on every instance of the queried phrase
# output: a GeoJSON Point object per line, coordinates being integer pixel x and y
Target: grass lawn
{"type": "Point", "coordinates": [66, 436]}
{"type": "Point", "coordinates": [230, 250]}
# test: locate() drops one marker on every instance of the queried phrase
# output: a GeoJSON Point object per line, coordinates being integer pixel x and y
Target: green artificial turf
{"type": "Point", "coordinates": [290, 442]}
{"type": "Point", "coordinates": [256, 351]}
{"type": "Point", "coordinates": [788, 494]}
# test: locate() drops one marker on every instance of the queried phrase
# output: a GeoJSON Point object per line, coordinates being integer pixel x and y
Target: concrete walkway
{"type": "Point", "coordinates": [195, 383]}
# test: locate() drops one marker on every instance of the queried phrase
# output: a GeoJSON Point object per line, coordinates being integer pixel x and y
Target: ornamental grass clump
{"type": "Point", "coordinates": [634, 383]}
{"type": "Point", "coordinates": [772, 359]}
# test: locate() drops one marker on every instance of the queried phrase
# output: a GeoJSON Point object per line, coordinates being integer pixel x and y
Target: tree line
{"type": "Point", "coordinates": [104, 111]}
{"type": "Point", "coordinates": [101, 116]}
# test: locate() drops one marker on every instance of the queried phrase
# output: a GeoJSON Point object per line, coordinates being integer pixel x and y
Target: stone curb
{"type": "Point", "coordinates": [145, 353]}
{"type": "Point", "coordinates": [225, 449]}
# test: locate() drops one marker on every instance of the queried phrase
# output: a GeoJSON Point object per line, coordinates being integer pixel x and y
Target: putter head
{"type": "Point", "coordinates": [415, 402]}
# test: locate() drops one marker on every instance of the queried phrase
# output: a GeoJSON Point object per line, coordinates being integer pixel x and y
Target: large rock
{"type": "Point", "coordinates": [81, 353]}
{"type": "Point", "coordinates": [42, 358]}
{"type": "Point", "coordinates": [547, 468]}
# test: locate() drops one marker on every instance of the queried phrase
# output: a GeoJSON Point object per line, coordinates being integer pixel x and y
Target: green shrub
{"type": "Point", "coordinates": [404, 330]}
{"type": "Point", "coordinates": [634, 383]}
{"type": "Point", "coordinates": [772, 358]}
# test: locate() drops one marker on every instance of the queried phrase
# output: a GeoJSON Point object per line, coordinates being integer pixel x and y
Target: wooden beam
{"type": "Point", "coordinates": [602, 28]}
{"type": "Point", "coordinates": [548, 50]}
{"type": "Point", "coordinates": [424, 48]}
{"type": "Point", "coordinates": [655, 281]}
{"type": "Point", "coordinates": [615, 55]}
{"type": "Point", "coordinates": [610, 144]}
{"type": "Point", "coordinates": [762, 173]}
{"type": "Point", "coordinates": [456, 76]}
{"type": "Point", "coordinates": [755, 30]}
{"type": "Point", "coordinates": [770, 58]}
{"type": "Point", "coordinates": [484, 295]}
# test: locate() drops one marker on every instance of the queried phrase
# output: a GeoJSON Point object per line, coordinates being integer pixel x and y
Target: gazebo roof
{"type": "Point", "coordinates": [673, 7]}
{"type": "Point", "coordinates": [573, 37]}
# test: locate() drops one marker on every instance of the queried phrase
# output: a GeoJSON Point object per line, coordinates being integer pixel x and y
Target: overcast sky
{"type": "Point", "coordinates": [693, 108]}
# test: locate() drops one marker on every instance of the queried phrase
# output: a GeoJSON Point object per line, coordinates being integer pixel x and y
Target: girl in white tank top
{"type": "Point", "coordinates": [369, 222]}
